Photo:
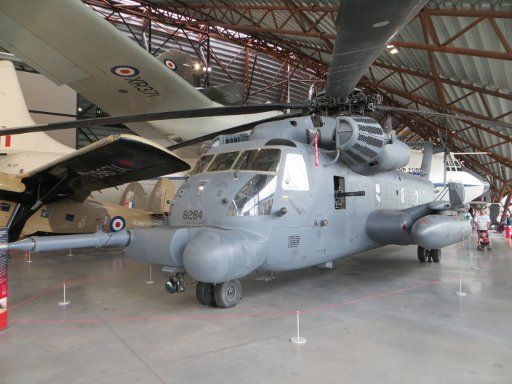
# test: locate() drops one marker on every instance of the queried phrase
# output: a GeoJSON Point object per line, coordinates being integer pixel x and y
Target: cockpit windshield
{"type": "Point", "coordinates": [223, 161]}
{"type": "Point", "coordinates": [202, 163]}
{"type": "Point", "coordinates": [261, 160]}
{"type": "Point", "coordinates": [265, 160]}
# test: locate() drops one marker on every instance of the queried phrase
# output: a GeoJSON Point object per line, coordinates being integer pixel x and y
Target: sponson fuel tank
{"type": "Point", "coordinates": [431, 226]}
{"type": "Point", "coordinates": [438, 231]}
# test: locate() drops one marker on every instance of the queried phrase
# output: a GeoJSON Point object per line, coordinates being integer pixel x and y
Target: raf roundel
{"type": "Point", "coordinates": [170, 64]}
{"type": "Point", "coordinates": [125, 71]}
{"type": "Point", "coordinates": [117, 223]}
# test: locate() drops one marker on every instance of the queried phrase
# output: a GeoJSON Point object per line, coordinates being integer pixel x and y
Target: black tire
{"type": "Point", "coordinates": [435, 254]}
{"type": "Point", "coordinates": [422, 254]}
{"type": "Point", "coordinates": [228, 294]}
{"type": "Point", "coordinates": [204, 293]}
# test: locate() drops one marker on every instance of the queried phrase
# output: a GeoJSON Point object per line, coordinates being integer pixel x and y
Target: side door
{"type": "Point", "coordinates": [292, 238]}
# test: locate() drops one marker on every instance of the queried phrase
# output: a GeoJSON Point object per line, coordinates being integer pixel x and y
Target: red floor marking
{"type": "Point", "coordinates": [69, 283]}
{"type": "Point", "coordinates": [209, 316]}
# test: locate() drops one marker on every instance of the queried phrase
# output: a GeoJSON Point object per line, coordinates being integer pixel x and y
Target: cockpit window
{"type": "Point", "coordinates": [263, 160]}
{"type": "Point", "coordinates": [202, 164]}
{"type": "Point", "coordinates": [223, 161]}
{"type": "Point", "coordinates": [255, 198]}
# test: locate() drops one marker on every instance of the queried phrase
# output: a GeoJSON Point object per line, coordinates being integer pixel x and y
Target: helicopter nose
{"type": "Point", "coordinates": [219, 255]}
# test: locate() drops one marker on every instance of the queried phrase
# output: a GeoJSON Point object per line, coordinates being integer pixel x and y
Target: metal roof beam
{"type": "Point", "coordinates": [428, 76]}
{"type": "Point", "coordinates": [454, 50]}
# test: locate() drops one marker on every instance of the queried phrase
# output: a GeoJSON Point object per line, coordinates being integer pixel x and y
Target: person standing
{"type": "Point", "coordinates": [482, 221]}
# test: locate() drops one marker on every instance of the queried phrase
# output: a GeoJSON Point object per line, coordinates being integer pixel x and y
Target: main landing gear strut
{"type": "Point", "coordinates": [429, 255]}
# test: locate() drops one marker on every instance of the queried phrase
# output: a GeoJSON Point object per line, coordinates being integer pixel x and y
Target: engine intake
{"type": "Point", "coordinates": [366, 149]}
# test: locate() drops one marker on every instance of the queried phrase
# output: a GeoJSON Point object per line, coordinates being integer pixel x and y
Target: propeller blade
{"type": "Point", "coordinates": [364, 27]}
{"type": "Point", "coordinates": [470, 119]}
{"type": "Point", "coordinates": [470, 153]}
{"type": "Point", "coordinates": [230, 131]}
{"type": "Point", "coordinates": [153, 116]}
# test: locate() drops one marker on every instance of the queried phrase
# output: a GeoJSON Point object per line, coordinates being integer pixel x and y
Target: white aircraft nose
{"type": "Point", "coordinates": [486, 186]}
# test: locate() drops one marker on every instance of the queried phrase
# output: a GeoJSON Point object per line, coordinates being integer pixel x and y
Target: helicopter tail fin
{"type": "Point", "coordinates": [426, 161]}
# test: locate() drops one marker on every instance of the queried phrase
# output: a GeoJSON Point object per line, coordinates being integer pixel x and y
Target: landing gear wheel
{"type": "Point", "coordinates": [228, 294]}
{"type": "Point", "coordinates": [425, 254]}
{"type": "Point", "coordinates": [422, 254]}
{"type": "Point", "coordinates": [435, 254]}
{"type": "Point", "coordinates": [204, 293]}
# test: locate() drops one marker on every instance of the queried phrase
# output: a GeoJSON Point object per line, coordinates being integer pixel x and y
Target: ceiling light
{"type": "Point", "coordinates": [380, 24]}
{"type": "Point", "coordinates": [393, 51]}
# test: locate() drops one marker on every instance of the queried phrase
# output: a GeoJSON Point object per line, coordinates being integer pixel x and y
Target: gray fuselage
{"type": "Point", "coordinates": [315, 229]}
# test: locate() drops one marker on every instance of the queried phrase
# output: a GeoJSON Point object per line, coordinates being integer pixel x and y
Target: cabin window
{"type": "Point", "coordinates": [69, 217]}
{"type": "Point", "coordinates": [339, 190]}
{"type": "Point", "coordinates": [5, 207]}
{"type": "Point", "coordinates": [45, 213]}
{"type": "Point", "coordinates": [295, 176]}
{"type": "Point", "coordinates": [255, 198]}
{"type": "Point", "coordinates": [223, 161]}
{"type": "Point", "coordinates": [263, 160]}
{"type": "Point", "coordinates": [202, 164]}
{"type": "Point", "coordinates": [377, 193]}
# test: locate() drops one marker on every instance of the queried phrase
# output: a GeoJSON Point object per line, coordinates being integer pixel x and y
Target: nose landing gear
{"type": "Point", "coordinates": [175, 283]}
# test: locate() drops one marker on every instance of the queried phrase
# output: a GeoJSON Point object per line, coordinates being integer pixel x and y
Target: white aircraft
{"type": "Point", "coordinates": [474, 185]}
{"type": "Point", "coordinates": [21, 154]}
{"type": "Point", "coordinates": [101, 63]}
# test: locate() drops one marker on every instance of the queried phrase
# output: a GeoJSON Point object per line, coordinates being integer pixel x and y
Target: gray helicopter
{"type": "Point", "coordinates": [300, 190]}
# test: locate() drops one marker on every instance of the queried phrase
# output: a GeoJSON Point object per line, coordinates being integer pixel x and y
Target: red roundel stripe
{"type": "Point", "coordinates": [117, 223]}
{"type": "Point", "coordinates": [124, 71]}
{"type": "Point", "coordinates": [170, 64]}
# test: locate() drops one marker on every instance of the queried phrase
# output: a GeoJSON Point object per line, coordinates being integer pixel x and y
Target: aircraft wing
{"type": "Point", "coordinates": [364, 28]}
{"type": "Point", "coordinates": [112, 161]}
{"type": "Point", "coordinates": [70, 44]}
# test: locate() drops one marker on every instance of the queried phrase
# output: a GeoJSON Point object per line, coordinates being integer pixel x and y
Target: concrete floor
{"type": "Point", "coordinates": [378, 317]}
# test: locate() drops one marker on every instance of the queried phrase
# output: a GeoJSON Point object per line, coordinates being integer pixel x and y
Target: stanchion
{"type": "Point", "coordinates": [150, 281]}
{"type": "Point", "coordinates": [474, 266]}
{"type": "Point", "coordinates": [64, 301]}
{"type": "Point", "coordinates": [70, 253]}
{"type": "Point", "coordinates": [459, 292]}
{"type": "Point", "coordinates": [29, 258]}
{"type": "Point", "coordinates": [297, 339]}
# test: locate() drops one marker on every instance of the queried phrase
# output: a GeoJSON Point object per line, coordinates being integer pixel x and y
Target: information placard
{"type": "Point", "coordinates": [4, 282]}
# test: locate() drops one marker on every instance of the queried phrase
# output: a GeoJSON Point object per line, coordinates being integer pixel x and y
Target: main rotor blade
{"type": "Point", "coordinates": [364, 28]}
{"type": "Point", "coordinates": [153, 116]}
{"type": "Point", "coordinates": [230, 131]}
{"type": "Point", "coordinates": [470, 119]}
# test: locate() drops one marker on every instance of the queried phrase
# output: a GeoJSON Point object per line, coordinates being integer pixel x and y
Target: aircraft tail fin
{"type": "Point", "coordinates": [13, 109]}
{"type": "Point", "coordinates": [14, 113]}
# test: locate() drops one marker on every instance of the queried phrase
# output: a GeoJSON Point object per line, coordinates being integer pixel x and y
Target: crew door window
{"type": "Point", "coordinates": [295, 176]}
{"type": "Point", "coordinates": [339, 191]}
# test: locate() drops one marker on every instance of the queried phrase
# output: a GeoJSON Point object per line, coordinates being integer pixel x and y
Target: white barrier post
{"type": "Point", "coordinates": [29, 260]}
{"type": "Point", "coordinates": [64, 301]}
{"type": "Point", "coordinates": [70, 252]}
{"type": "Point", "coordinates": [150, 281]}
{"type": "Point", "coordinates": [459, 292]}
{"type": "Point", "coordinates": [297, 339]}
